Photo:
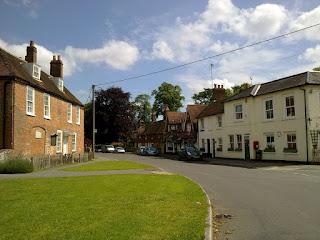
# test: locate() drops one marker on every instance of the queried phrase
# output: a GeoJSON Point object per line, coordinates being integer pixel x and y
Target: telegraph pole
{"type": "Point", "coordinates": [93, 121]}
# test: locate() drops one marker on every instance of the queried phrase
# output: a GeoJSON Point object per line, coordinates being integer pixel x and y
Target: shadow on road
{"type": "Point", "coordinates": [249, 164]}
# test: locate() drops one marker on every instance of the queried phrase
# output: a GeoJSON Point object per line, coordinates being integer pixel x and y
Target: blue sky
{"type": "Point", "coordinates": [102, 41]}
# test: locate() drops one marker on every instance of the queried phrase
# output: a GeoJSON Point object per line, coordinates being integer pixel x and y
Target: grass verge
{"type": "Point", "coordinates": [108, 165]}
{"type": "Point", "coordinates": [113, 207]}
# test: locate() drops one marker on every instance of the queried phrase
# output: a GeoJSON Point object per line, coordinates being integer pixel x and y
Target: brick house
{"type": "Point", "coordinates": [38, 115]}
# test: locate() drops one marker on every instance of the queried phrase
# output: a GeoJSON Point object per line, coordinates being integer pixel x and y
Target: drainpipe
{"type": "Point", "coordinates": [306, 122]}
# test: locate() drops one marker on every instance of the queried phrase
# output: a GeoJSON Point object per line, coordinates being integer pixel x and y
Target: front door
{"type": "Point", "coordinates": [65, 145]}
{"type": "Point", "coordinates": [213, 148]}
{"type": "Point", "coordinates": [247, 147]}
{"type": "Point", "coordinates": [208, 144]}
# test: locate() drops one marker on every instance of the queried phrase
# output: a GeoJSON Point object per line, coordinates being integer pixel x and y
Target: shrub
{"type": "Point", "coordinates": [16, 164]}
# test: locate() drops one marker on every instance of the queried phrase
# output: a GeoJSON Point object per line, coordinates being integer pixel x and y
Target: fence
{"type": "Point", "coordinates": [49, 161]}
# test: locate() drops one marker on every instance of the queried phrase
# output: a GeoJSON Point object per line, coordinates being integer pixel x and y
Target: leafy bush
{"type": "Point", "coordinates": [16, 164]}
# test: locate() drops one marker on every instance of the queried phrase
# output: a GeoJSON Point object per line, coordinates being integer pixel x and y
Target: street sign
{"type": "Point", "coordinates": [96, 130]}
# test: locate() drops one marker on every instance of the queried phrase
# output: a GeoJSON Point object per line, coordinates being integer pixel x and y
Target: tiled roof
{"type": "Point", "coordinates": [212, 109]}
{"type": "Point", "coordinates": [155, 128]}
{"type": "Point", "coordinates": [175, 117]}
{"type": "Point", "coordinates": [11, 66]}
{"type": "Point", "coordinates": [280, 84]}
{"type": "Point", "coordinates": [194, 110]}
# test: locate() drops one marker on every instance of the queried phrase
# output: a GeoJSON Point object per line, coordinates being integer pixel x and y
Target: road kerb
{"type": "Point", "coordinates": [209, 231]}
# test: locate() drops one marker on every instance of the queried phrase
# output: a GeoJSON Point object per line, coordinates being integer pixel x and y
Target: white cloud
{"type": "Point", "coordinates": [306, 19]}
{"type": "Point", "coordinates": [115, 54]}
{"type": "Point", "coordinates": [197, 83]}
{"type": "Point", "coordinates": [263, 21]}
{"type": "Point", "coordinates": [161, 50]}
{"type": "Point", "coordinates": [312, 54]}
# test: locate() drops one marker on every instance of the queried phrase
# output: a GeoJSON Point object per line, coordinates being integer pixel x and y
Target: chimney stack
{"type": "Point", "coordinates": [219, 93]}
{"type": "Point", "coordinates": [31, 56]}
{"type": "Point", "coordinates": [56, 67]}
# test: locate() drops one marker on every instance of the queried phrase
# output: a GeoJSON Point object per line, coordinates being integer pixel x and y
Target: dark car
{"type": "Point", "coordinates": [140, 150]}
{"type": "Point", "coordinates": [189, 153]}
{"type": "Point", "coordinates": [150, 151]}
{"type": "Point", "coordinates": [98, 148]}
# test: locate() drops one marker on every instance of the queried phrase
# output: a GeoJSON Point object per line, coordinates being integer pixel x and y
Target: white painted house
{"type": "Point", "coordinates": [280, 118]}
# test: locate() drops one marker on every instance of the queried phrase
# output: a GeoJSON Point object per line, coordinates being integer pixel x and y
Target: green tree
{"type": "Point", "coordinates": [237, 89]}
{"type": "Point", "coordinates": [203, 97]}
{"type": "Point", "coordinates": [167, 94]}
{"type": "Point", "coordinates": [316, 69]}
{"type": "Point", "coordinates": [143, 108]}
{"type": "Point", "coordinates": [114, 116]}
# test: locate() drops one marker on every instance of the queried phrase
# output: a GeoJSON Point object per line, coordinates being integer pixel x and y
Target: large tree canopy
{"type": "Point", "coordinates": [167, 94]}
{"type": "Point", "coordinates": [114, 116]}
{"type": "Point", "coordinates": [143, 108]}
{"type": "Point", "coordinates": [203, 97]}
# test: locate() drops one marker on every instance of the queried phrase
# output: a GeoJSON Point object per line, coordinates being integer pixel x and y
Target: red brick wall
{"type": "Point", "coordinates": [25, 126]}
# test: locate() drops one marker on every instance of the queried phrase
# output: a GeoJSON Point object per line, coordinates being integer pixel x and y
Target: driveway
{"type": "Point", "coordinates": [273, 202]}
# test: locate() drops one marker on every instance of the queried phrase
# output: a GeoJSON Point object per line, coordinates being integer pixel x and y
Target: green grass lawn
{"type": "Point", "coordinates": [138, 207]}
{"type": "Point", "coordinates": [108, 165]}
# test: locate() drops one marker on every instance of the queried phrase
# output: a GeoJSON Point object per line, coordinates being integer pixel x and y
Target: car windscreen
{"type": "Point", "coordinates": [192, 150]}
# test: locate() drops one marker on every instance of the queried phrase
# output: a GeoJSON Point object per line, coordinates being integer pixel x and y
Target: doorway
{"type": "Point", "coordinates": [247, 147]}
{"type": "Point", "coordinates": [65, 145]}
{"type": "Point", "coordinates": [208, 145]}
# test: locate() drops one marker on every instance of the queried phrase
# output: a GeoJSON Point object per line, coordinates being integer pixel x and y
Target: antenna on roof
{"type": "Point", "coordinates": [251, 80]}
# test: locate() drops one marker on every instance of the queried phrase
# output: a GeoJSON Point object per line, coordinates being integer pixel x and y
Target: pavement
{"type": "Point", "coordinates": [267, 201]}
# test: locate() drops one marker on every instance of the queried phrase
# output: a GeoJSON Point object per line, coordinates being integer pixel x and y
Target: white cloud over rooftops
{"type": "Point", "coordinates": [118, 55]}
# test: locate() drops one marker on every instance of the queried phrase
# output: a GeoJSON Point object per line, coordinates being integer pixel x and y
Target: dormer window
{"type": "Point", "coordinates": [36, 72]}
{"type": "Point", "coordinates": [60, 84]}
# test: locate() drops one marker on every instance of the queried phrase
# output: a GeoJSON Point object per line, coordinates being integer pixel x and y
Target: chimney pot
{"type": "Point", "coordinates": [59, 57]}
{"type": "Point", "coordinates": [31, 43]}
{"type": "Point", "coordinates": [215, 85]}
{"type": "Point", "coordinates": [54, 57]}
{"type": "Point", "coordinates": [221, 86]}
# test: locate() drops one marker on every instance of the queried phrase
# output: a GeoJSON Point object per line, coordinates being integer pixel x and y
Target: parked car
{"type": "Point", "coordinates": [120, 150]}
{"type": "Point", "coordinates": [150, 151]}
{"type": "Point", "coordinates": [189, 153]}
{"type": "Point", "coordinates": [140, 150]}
{"type": "Point", "coordinates": [98, 148]}
{"type": "Point", "coordinates": [108, 148]}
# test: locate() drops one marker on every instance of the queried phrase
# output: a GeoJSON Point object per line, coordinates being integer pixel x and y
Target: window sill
{"type": "Point", "coordinates": [290, 150]}
{"type": "Point", "coordinates": [69, 122]}
{"type": "Point", "coordinates": [46, 117]}
{"type": "Point", "coordinates": [31, 114]}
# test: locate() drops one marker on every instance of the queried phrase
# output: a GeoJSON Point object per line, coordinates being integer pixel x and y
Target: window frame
{"type": "Point", "coordinates": [270, 145]}
{"type": "Point", "coordinates": [36, 72]}
{"type": "Point", "coordinates": [294, 143]}
{"type": "Point", "coordinates": [32, 101]}
{"type": "Point", "coordinates": [78, 115]}
{"type": "Point", "coordinates": [239, 142]}
{"type": "Point", "coordinates": [59, 143]}
{"type": "Point", "coordinates": [219, 120]}
{"type": "Point", "coordinates": [74, 142]}
{"type": "Point", "coordinates": [270, 110]}
{"type": "Point", "coordinates": [201, 124]}
{"type": "Point", "coordinates": [287, 107]}
{"type": "Point", "coordinates": [238, 114]}
{"type": "Point", "coordinates": [220, 144]}
{"type": "Point", "coordinates": [231, 143]}
{"type": "Point", "coordinates": [69, 113]}
{"type": "Point", "coordinates": [46, 116]}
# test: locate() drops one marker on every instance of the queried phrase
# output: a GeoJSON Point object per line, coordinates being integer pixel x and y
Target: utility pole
{"type": "Point", "coordinates": [93, 121]}
{"type": "Point", "coordinates": [211, 66]}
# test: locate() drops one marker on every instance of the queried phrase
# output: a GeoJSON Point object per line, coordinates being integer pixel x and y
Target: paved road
{"type": "Point", "coordinates": [281, 202]}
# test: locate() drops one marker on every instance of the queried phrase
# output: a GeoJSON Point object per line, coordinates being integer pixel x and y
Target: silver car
{"type": "Point", "coordinates": [120, 150]}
